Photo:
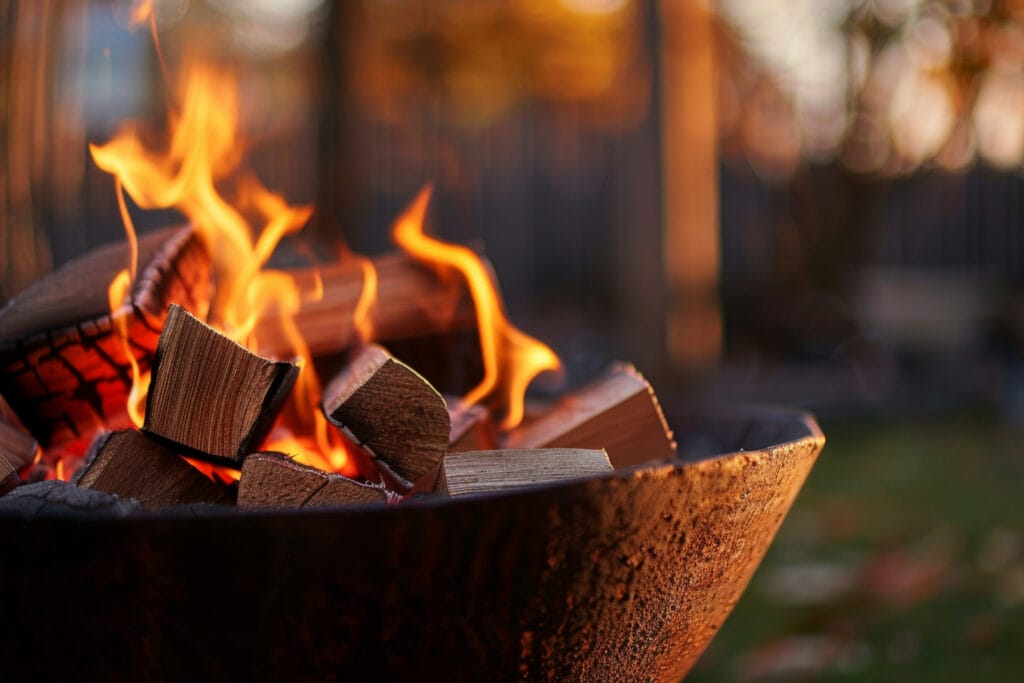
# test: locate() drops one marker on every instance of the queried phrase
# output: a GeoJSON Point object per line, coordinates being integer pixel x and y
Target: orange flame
{"type": "Point", "coordinates": [204, 151]}
{"type": "Point", "coordinates": [117, 293]}
{"type": "Point", "coordinates": [142, 14]}
{"type": "Point", "coordinates": [367, 300]}
{"type": "Point", "coordinates": [511, 358]}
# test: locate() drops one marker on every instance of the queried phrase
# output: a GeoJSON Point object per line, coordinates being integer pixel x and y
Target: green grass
{"type": "Point", "coordinates": [919, 526]}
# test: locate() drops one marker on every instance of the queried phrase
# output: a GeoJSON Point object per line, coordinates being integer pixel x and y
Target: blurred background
{"type": "Point", "coordinates": [815, 203]}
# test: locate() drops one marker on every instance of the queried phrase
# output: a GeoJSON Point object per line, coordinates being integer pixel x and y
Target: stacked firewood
{"type": "Point", "coordinates": [212, 400]}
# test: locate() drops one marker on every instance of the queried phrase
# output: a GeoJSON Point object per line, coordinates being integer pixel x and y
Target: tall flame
{"type": "Point", "coordinates": [367, 300]}
{"type": "Point", "coordinates": [511, 358]}
{"type": "Point", "coordinates": [241, 234]}
{"type": "Point", "coordinates": [117, 293]}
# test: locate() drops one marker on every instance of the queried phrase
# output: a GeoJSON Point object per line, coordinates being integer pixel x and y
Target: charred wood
{"type": "Point", "coordinates": [63, 367]}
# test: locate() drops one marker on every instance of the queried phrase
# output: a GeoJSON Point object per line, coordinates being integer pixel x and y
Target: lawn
{"type": "Point", "coordinates": [902, 560]}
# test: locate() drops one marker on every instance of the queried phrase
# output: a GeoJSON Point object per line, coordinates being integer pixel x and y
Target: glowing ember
{"type": "Point", "coordinates": [511, 358]}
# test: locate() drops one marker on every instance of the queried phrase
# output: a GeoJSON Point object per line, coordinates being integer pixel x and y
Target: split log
{"type": "Point", "coordinates": [472, 427]}
{"type": "Point", "coordinates": [412, 301]}
{"type": "Point", "coordinates": [275, 480]}
{"type": "Point", "coordinates": [210, 395]}
{"type": "Point", "coordinates": [9, 479]}
{"type": "Point", "coordinates": [63, 368]}
{"type": "Point", "coordinates": [391, 411]}
{"type": "Point", "coordinates": [17, 447]}
{"type": "Point", "coordinates": [619, 413]}
{"type": "Point", "coordinates": [482, 471]}
{"type": "Point", "coordinates": [131, 465]}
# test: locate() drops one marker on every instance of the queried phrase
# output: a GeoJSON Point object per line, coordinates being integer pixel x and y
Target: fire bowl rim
{"type": "Point", "coordinates": [651, 470]}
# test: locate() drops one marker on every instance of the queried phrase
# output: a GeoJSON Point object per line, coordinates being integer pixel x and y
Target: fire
{"type": "Point", "coordinates": [367, 300]}
{"type": "Point", "coordinates": [240, 232]}
{"type": "Point", "coordinates": [241, 222]}
{"type": "Point", "coordinates": [511, 358]}
{"type": "Point", "coordinates": [117, 292]}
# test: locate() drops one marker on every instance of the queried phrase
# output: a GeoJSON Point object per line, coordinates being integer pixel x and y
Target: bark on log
{"type": "Point", "coordinates": [272, 480]}
{"type": "Point", "coordinates": [483, 471]}
{"type": "Point", "coordinates": [131, 465]}
{"type": "Point", "coordinates": [391, 411]}
{"type": "Point", "coordinates": [210, 395]}
{"type": "Point", "coordinates": [619, 413]}
{"type": "Point", "coordinates": [63, 368]}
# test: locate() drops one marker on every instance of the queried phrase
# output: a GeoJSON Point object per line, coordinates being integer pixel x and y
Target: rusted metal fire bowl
{"type": "Point", "coordinates": [624, 577]}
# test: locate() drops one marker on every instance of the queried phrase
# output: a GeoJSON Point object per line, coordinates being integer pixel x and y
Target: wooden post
{"type": "Point", "coordinates": [690, 182]}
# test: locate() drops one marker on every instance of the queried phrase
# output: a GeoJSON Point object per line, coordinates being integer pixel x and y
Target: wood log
{"type": "Point", "coordinates": [17, 447]}
{"type": "Point", "coordinates": [472, 427]}
{"type": "Point", "coordinates": [274, 480]}
{"type": "Point", "coordinates": [63, 368]}
{"type": "Point", "coordinates": [210, 395]}
{"type": "Point", "coordinates": [9, 479]}
{"type": "Point", "coordinates": [391, 411]}
{"type": "Point", "coordinates": [132, 465]}
{"type": "Point", "coordinates": [412, 301]}
{"type": "Point", "coordinates": [618, 412]}
{"type": "Point", "coordinates": [481, 471]}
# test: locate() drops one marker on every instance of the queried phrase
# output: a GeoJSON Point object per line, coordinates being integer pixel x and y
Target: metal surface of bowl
{"type": "Point", "coordinates": [623, 577]}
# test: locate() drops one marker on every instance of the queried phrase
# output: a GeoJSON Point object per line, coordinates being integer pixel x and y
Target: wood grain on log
{"type": "Point", "coordinates": [210, 395]}
{"type": "Point", "coordinates": [9, 479]}
{"type": "Point", "coordinates": [482, 471]}
{"type": "Point", "coordinates": [63, 367]}
{"type": "Point", "coordinates": [619, 413]}
{"type": "Point", "coordinates": [272, 480]}
{"type": "Point", "coordinates": [132, 465]}
{"type": "Point", "coordinates": [391, 411]}
{"type": "Point", "coordinates": [17, 447]}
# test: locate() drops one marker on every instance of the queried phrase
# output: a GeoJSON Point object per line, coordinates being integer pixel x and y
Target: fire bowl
{"type": "Point", "coordinates": [623, 577]}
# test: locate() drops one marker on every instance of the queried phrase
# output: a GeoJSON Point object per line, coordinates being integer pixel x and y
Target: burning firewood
{"type": "Point", "coordinates": [619, 413]}
{"type": "Point", "coordinates": [274, 480]}
{"type": "Point", "coordinates": [410, 301]}
{"type": "Point", "coordinates": [63, 367]}
{"type": "Point", "coordinates": [17, 447]}
{"type": "Point", "coordinates": [9, 479]}
{"type": "Point", "coordinates": [211, 395]}
{"type": "Point", "coordinates": [481, 471]}
{"type": "Point", "coordinates": [472, 427]}
{"type": "Point", "coordinates": [390, 410]}
{"type": "Point", "coordinates": [132, 465]}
